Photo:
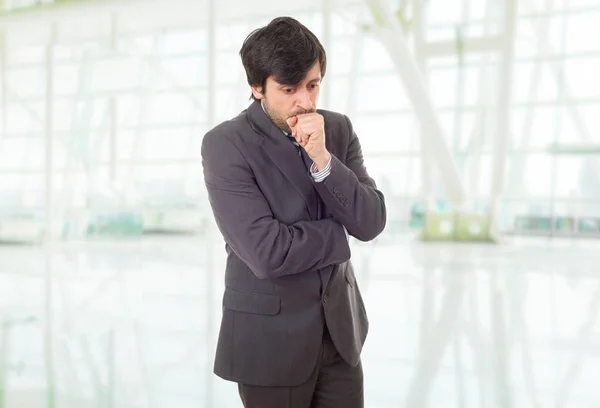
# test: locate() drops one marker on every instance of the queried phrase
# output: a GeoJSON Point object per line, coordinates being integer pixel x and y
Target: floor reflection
{"type": "Point", "coordinates": [133, 324]}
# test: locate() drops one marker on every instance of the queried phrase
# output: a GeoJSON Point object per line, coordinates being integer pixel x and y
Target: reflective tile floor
{"type": "Point", "coordinates": [133, 324]}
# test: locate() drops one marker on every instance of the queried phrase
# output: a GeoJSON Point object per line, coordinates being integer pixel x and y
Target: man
{"type": "Point", "coordinates": [287, 186]}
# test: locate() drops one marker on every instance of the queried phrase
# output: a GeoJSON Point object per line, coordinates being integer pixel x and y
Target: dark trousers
{"type": "Point", "coordinates": [333, 384]}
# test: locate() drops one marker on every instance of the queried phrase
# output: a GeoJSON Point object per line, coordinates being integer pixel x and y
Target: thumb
{"type": "Point", "coordinates": [292, 121]}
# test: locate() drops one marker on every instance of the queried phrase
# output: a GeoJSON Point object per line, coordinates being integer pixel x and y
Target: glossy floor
{"type": "Point", "coordinates": [133, 324]}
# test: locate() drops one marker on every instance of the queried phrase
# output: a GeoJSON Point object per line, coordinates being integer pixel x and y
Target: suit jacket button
{"type": "Point", "coordinates": [336, 190]}
{"type": "Point", "coordinates": [325, 298]}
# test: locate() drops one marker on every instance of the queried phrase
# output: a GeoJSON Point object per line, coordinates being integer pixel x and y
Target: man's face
{"type": "Point", "coordinates": [284, 101]}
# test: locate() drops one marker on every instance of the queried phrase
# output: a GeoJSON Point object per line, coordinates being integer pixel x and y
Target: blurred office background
{"type": "Point", "coordinates": [478, 120]}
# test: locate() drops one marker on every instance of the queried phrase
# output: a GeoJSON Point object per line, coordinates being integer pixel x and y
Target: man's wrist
{"type": "Point", "coordinates": [322, 161]}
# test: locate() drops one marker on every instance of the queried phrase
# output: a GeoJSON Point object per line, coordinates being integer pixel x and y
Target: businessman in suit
{"type": "Point", "coordinates": [288, 188]}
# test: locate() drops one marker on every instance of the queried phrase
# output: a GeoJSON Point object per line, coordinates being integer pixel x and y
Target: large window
{"type": "Point", "coordinates": [131, 94]}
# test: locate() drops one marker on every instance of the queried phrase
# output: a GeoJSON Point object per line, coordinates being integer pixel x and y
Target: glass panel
{"type": "Point", "coordinates": [179, 72]}
{"type": "Point", "coordinates": [534, 178]}
{"type": "Point", "coordinates": [583, 32]}
{"type": "Point", "coordinates": [582, 76]}
{"type": "Point", "coordinates": [387, 133]}
{"type": "Point", "coordinates": [341, 57]}
{"type": "Point", "coordinates": [471, 137]}
{"type": "Point", "coordinates": [183, 42]}
{"type": "Point", "coordinates": [343, 25]}
{"type": "Point", "coordinates": [173, 108]}
{"type": "Point", "coordinates": [534, 127]}
{"type": "Point", "coordinates": [230, 101]}
{"type": "Point", "coordinates": [539, 36]}
{"type": "Point", "coordinates": [164, 144]}
{"type": "Point", "coordinates": [381, 93]}
{"type": "Point", "coordinates": [230, 69]}
{"type": "Point", "coordinates": [477, 174]}
{"type": "Point", "coordinates": [449, 11]}
{"type": "Point", "coordinates": [22, 153]}
{"type": "Point", "coordinates": [25, 54]}
{"type": "Point", "coordinates": [535, 81]}
{"type": "Point", "coordinates": [443, 86]}
{"type": "Point", "coordinates": [341, 88]}
{"type": "Point", "coordinates": [24, 117]}
{"type": "Point", "coordinates": [374, 56]}
{"type": "Point", "coordinates": [115, 73]}
{"type": "Point", "coordinates": [395, 175]}
{"type": "Point", "coordinates": [68, 78]}
{"type": "Point", "coordinates": [26, 82]}
{"type": "Point", "coordinates": [578, 118]}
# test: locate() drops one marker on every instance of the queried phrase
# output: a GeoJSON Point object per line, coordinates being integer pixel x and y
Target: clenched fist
{"type": "Point", "coordinates": [309, 131]}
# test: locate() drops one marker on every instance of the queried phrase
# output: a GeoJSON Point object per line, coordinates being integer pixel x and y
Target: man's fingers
{"type": "Point", "coordinates": [305, 138]}
{"type": "Point", "coordinates": [301, 136]}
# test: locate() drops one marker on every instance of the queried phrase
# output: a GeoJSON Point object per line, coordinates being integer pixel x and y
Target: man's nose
{"type": "Point", "coordinates": [304, 100]}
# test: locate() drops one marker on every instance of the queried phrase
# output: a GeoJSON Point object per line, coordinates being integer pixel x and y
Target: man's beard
{"type": "Point", "coordinates": [281, 122]}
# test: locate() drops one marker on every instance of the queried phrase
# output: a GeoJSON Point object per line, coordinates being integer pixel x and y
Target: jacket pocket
{"type": "Point", "coordinates": [251, 302]}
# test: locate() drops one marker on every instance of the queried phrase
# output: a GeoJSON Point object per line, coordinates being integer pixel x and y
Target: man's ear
{"type": "Point", "coordinates": [257, 91]}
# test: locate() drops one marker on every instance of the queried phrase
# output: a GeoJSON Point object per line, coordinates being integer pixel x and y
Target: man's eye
{"type": "Point", "coordinates": [288, 90]}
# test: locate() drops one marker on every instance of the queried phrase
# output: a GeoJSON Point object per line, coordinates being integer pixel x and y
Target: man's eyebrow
{"type": "Point", "coordinates": [282, 85]}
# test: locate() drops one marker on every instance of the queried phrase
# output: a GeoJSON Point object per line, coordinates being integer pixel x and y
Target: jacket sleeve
{"type": "Point", "coordinates": [352, 195]}
{"type": "Point", "coordinates": [270, 248]}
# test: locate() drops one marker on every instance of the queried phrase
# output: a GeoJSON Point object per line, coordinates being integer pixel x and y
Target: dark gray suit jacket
{"type": "Point", "coordinates": [288, 260]}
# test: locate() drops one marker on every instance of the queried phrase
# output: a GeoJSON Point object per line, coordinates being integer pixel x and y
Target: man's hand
{"type": "Point", "coordinates": [309, 131]}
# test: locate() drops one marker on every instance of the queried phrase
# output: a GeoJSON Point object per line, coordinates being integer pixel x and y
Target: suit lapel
{"type": "Point", "coordinates": [284, 155]}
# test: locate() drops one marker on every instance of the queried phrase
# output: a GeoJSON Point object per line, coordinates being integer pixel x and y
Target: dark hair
{"type": "Point", "coordinates": [285, 49]}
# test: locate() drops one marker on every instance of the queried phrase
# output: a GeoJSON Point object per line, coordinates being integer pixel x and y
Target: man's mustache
{"type": "Point", "coordinates": [304, 111]}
